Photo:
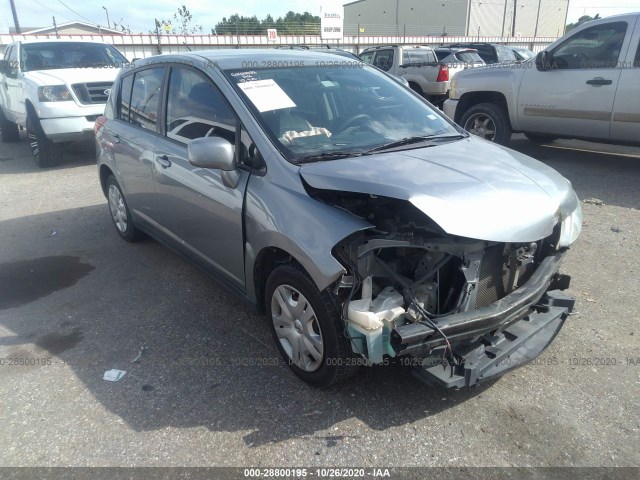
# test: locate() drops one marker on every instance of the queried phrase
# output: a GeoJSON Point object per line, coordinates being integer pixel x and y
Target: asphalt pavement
{"type": "Point", "coordinates": [208, 388]}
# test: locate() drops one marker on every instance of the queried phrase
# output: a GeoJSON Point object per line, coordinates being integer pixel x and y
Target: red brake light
{"type": "Point", "coordinates": [100, 121]}
{"type": "Point", "coordinates": [443, 74]}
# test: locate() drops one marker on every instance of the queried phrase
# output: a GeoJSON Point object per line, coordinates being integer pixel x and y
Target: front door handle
{"type": "Point", "coordinates": [164, 161]}
{"type": "Point", "coordinates": [599, 81]}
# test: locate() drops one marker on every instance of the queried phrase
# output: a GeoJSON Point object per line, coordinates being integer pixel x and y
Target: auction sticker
{"type": "Point", "coordinates": [266, 95]}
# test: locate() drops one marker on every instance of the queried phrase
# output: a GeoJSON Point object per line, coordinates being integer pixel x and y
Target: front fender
{"type": "Point", "coordinates": [290, 220]}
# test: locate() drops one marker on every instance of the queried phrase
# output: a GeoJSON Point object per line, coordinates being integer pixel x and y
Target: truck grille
{"type": "Point", "coordinates": [497, 272]}
{"type": "Point", "coordinates": [90, 93]}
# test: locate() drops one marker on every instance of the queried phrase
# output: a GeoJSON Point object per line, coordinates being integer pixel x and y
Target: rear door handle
{"type": "Point", "coordinates": [164, 161]}
{"type": "Point", "coordinates": [599, 81]}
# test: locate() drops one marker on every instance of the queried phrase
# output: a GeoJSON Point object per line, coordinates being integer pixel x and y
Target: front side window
{"type": "Point", "coordinates": [636, 61]}
{"type": "Point", "coordinates": [313, 111]}
{"type": "Point", "coordinates": [595, 47]}
{"type": "Point", "coordinates": [145, 97]}
{"type": "Point", "coordinates": [366, 57]}
{"type": "Point", "coordinates": [196, 108]}
{"type": "Point", "coordinates": [505, 54]}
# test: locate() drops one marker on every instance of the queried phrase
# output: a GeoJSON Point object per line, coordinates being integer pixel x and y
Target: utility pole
{"type": "Point", "coordinates": [513, 26]}
{"type": "Point", "coordinates": [535, 32]}
{"type": "Point", "coordinates": [55, 27]}
{"type": "Point", "coordinates": [15, 17]}
{"type": "Point", "coordinates": [108, 22]}
{"type": "Point", "coordinates": [504, 17]}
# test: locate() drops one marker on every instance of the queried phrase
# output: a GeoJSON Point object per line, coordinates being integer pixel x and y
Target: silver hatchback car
{"type": "Point", "coordinates": [366, 225]}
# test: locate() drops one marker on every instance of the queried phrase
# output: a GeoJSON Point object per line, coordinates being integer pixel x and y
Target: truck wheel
{"type": "Point", "coordinates": [9, 129]}
{"type": "Point", "coordinates": [120, 213]}
{"type": "Point", "coordinates": [416, 88]}
{"type": "Point", "coordinates": [44, 151]}
{"type": "Point", "coordinates": [488, 121]}
{"type": "Point", "coordinates": [540, 138]}
{"type": "Point", "coordinates": [307, 327]}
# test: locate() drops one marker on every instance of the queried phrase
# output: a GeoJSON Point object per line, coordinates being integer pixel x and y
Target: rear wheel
{"type": "Point", "coordinates": [44, 151]}
{"type": "Point", "coordinates": [307, 327]}
{"type": "Point", "coordinates": [10, 131]}
{"type": "Point", "coordinates": [120, 213]}
{"type": "Point", "coordinates": [488, 121]}
{"type": "Point", "coordinates": [540, 138]}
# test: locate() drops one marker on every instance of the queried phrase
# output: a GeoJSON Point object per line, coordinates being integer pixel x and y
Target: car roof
{"type": "Point", "coordinates": [229, 59]}
{"type": "Point", "coordinates": [57, 40]}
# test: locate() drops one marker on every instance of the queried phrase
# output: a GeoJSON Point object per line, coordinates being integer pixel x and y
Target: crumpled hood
{"type": "Point", "coordinates": [471, 188]}
{"type": "Point", "coordinates": [72, 75]}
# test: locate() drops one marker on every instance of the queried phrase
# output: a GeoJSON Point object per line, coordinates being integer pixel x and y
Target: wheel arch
{"type": "Point", "coordinates": [470, 99]}
{"type": "Point", "coordinates": [104, 173]}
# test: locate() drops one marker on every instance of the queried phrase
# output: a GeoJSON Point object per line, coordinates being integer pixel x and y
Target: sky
{"type": "Point", "coordinates": [139, 14]}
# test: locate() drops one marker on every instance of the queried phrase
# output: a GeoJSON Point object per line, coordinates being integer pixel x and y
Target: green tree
{"type": "Point", "coordinates": [581, 20]}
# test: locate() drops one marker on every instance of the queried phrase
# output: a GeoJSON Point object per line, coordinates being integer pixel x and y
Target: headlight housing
{"type": "Point", "coordinates": [54, 93]}
{"type": "Point", "coordinates": [571, 228]}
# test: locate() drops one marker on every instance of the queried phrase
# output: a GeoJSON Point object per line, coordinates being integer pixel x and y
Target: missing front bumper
{"type": "Point", "coordinates": [493, 355]}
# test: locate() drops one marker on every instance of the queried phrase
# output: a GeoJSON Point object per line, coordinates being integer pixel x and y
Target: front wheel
{"type": "Point", "coordinates": [44, 151]}
{"type": "Point", "coordinates": [307, 327]}
{"type": "Point", "coordinates": [488, 121]}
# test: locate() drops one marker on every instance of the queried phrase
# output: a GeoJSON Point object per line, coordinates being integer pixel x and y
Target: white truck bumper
{"type": "Point", "coordinates": [449, 108]}
{"type": "Point", "coordinates": [67, 128]}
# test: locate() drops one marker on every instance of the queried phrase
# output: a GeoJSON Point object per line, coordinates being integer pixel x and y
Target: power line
{"type": "Point", "coordinates": [81, 16]}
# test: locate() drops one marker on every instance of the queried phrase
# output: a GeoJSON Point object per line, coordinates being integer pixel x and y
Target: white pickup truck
{"type": "Point", "coordinates": [55, 90]}
{"type": "Point", "coordinates": [417, 64]}
{"type": "Point", "coordinates": [586, 85]}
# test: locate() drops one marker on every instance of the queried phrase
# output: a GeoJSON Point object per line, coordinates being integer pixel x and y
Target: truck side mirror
{"type": "Point", "coordinates": [543, 61]}
{"type": "Point", "coordinates": [4, 67]}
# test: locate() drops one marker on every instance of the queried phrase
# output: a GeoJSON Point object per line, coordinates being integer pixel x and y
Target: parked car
{"type": "Point", "coordinates": [417, 64]}
{"type": "Point", "coordinates": [585, 85]}
{"type": "Point", "coordinates": [363, 223]}
{"type": "Point", "coordinates": [523, 54]}
{"type": "Point", "coordinates": [459, 58]}
{"type": "Point", "coordinates": [55, 90]}
{"type": "Point", "coordinates": [490, 52]}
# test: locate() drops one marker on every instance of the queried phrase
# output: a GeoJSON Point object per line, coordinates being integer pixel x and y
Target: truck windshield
{"type": "Point", "coordinates": [336, 111]}
{"type": "Point", "coordinates": [47, 56]}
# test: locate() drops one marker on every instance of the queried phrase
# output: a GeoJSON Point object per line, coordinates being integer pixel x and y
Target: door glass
{"type": "Point", "coordinates": [145, 98]}
{"type": "Point", "coordinates": [196, 108]}
{"type": "Point", "coordinates": [384, 59]}
{"type": "Point", "coordinates": [636, 61]}
{"type": "Point", "coordinates": [125, 98]}
{"type": "Point", "coordinates": [366, 57]}
{"type": "Point", "coordinates": [505, 54]}
{"type": "Point", "coordinates": [595, 47]}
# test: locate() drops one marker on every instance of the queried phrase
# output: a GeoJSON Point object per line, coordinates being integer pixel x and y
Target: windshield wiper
{"type": "Point", "coordinates": [412, 140]}
{"type": "Point", "coordinates": [329, 156]}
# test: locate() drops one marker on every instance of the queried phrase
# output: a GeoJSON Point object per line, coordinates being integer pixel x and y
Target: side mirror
{"type": "Point", "coordinates": [543, 61]}
{"type": "Point", "coordinates": [216, 153]}
{"type": "Point", "coordinates": [4, 67]}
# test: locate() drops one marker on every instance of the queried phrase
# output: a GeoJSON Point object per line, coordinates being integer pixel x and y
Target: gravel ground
{"type": "Point", "coordinates": [209, 389]}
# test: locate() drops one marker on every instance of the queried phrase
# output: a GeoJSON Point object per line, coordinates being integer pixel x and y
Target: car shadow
{"type": "Point", "coordinates": [195, 355]}
{"type": "Point", "coordinates": [610, 173]}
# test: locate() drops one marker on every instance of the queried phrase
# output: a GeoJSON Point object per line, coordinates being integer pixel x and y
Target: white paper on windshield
{"type": "Point", "coordinates": [266, 95]}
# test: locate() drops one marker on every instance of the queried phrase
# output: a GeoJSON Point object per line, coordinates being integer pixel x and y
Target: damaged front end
{"type": "Point", "coordinates": [460, 310]}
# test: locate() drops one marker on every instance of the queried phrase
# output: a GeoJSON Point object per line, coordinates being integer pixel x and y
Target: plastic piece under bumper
{"type": "Point", "coordinates": [494, 355]}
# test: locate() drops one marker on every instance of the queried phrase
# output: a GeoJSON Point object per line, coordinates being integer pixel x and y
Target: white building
{"type": "Point", "coordinates": [486, 18]}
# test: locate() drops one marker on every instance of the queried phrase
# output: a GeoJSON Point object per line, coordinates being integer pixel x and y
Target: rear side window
{"type": "Point", "coordinates": [418, 55]}
{"type": "Point", "coordinates": [145, 98]}
{"type": "Point", "coordinates": [441, 55]}
{"type": "Point", "coordinates": [468, 57]}
{"type": "Point", "coordinates": [125, 98]}
{"type": "Point", "coordinates": [196, 108]}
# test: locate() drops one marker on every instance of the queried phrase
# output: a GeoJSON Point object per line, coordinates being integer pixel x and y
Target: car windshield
{"type": "Point", "coordinates": [52, 55]}
{"type": "Point", "coordinates": [326, 112]}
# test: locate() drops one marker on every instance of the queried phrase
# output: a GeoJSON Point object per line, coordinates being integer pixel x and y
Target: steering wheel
{"type": "Point", "coordinates": [352, 121]}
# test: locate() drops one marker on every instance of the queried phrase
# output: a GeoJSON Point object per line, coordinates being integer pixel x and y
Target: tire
{"type": "Point", "coordinates": [416, 88]}
{"type": "Point", "coordinates": [10, 132]}
{"type": "Point", "coordinates": [120, 213]}
{"type": "Point", "coordinates": [488, 121]}
{"type": "Point", "coordinates": [540, 138]}
{"type": "Point", "coordinates": [302, 316]}
{"type": "Point", "coordinates": [44, 151]}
